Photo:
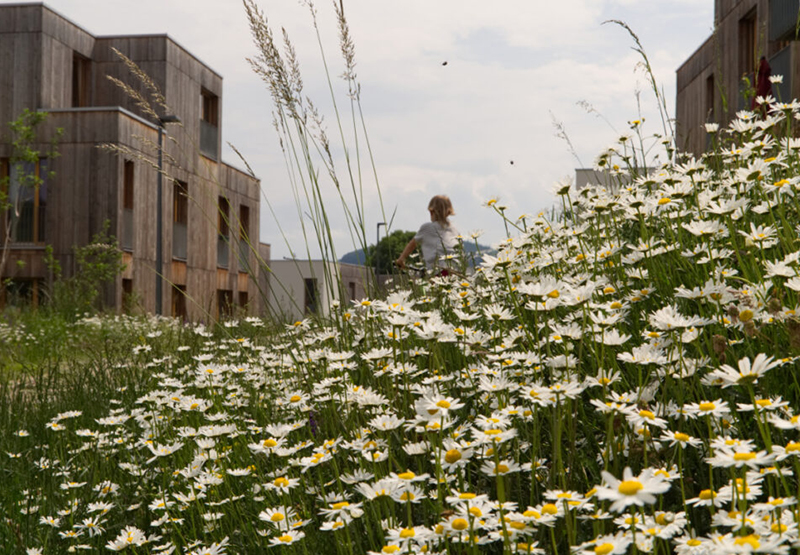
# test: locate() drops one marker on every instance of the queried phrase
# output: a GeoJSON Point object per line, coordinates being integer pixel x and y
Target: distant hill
{"type": "Point", "coordinates": [357, 256]}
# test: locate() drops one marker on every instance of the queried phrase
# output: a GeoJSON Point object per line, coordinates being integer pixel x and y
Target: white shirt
{"type": "Point", "coordinates": [436, 240]}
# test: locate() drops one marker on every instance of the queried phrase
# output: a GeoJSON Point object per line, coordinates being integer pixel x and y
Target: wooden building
{"type": "Point", "coordinates": [210, 212]}
{"type": "Point", "coordinates": [713, 82]}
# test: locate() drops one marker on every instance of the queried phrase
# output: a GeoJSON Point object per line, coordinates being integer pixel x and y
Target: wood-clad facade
{"type": "Point", "coordinates": [210, 210]}
{"type": "Point", "coordinates": [711, 83]}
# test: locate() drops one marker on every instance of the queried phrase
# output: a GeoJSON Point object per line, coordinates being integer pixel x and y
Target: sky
{"type": "Point", "coordinates": [513, 68]}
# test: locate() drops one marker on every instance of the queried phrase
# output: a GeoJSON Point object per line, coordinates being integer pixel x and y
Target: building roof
{"type": "Point", "coordinates": [102, 37]}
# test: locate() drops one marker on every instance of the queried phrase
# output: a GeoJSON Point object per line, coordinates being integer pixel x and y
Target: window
{"type": "Point", "coordinates": [352, 290]}
{"type": "Point", "coordinates": [710, 94]}
{"type": "Point", "coordinates": [310, 301]}
{"type": "Point", "coordinates": [209, 107]}
{"type": "Point", "coordinates": [179, 301]}
{"type": "Point", "coordinates": [224, 303]}
{"type": "Point", "coordinates": [243, 299]}
{"type": "Point", "coordinates": [223, 219]}
{"type": "Point", "coordinates": [81, 80]}
{"type": "Point", "coordinates": [22, 292]}
{"type": "Point", "coordinates": [209, 124]}
{"type": "Point", "coordinates": [127, 194]}
{"type": "Point", "coordinates": [127, 206]}
{"type": "Point", "coordinates": [180, 219]}
{"type": "Point", "coordinates": [127, 296]}
{"type": "Point", "coordinates": [747, 45]}
{"type": "Point", "coordinates": [27, 197]}
{"type": "Point", "coordinates": [244, 238]}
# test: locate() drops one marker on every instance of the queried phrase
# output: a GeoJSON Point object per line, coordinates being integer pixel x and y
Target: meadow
{"type": "Point", "coordinates": [619, 378]}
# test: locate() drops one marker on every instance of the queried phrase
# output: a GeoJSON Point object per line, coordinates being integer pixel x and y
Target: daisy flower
{"type": "Point", "coordinates": [287, 538]}
{"type": "Point", "coordinates": [631, 490]}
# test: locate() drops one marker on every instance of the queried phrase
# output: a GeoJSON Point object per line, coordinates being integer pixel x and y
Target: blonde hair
{"type": "Point", "coordinates": [441, 207]}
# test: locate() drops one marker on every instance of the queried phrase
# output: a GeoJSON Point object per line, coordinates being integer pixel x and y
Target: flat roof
{"type": "Point", "coordinates": [133, 36]}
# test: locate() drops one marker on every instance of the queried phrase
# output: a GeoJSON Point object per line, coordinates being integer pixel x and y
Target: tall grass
{"type": "Point", "coordinates": [308, 152]}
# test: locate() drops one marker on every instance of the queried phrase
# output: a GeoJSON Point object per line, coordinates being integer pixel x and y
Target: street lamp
{"type": "Point", "coordinates": [377, 241]}
{"type": "Point", "coordinates": [162, 121]}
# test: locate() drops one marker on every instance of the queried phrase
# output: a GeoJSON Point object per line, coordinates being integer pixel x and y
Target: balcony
{"type": "Point", "coordinates": [178, 241]}
{"type": "Point", "coordinates": [209, 140]}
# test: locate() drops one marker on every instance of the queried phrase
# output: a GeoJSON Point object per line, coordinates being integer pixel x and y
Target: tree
{"type": "Point", "coordinates": [24, 176]}
{"type": "Point", "coordinates": [389, 249]}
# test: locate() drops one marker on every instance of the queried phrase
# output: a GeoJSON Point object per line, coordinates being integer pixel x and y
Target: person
{"type": "Point", "coordinates": [436, 238]}
{"type": "Point", "coordinates": [762, 84]}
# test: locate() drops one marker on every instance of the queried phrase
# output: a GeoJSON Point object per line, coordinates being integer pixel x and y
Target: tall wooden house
{"type": "Point", "coordinates": [210, 210]}
{"type": "Point", "coordinates": [713, 83]}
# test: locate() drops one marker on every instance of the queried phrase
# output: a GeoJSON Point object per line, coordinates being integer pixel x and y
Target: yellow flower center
{"type": "Point", "coordinates": [452, 456]}
{"type": "Point", "coordinates": [693, 542]}
{"type": "Point", "coordinates": [705, 407]}
{"type": "Point", "coordinates": [339, 506]}
{"type": "Point", "coordinates": [779, 528]}
{"type": "Point", "coordinates": [792, 446]}
{"type": "Point", "coordinates": [748, 456]}
{"type": "Point", "coordinates": [476, 512]}
{"type": "Point", "coordinates": [277, 517]}
{"type": "Point", "coordinates": [630, 487]}
{"type": "Point", "coordinates": [751, 540]}
{"type": "Point", "coordinates": [680, 436]}
{"type": "Point", "coordinates": [604, 548]}
{"type": "Point", "coordinates": [664, 200]}
{"type": "Point", "coordinates": [707, 494]}
{"type": "Point", "coordinates": [443, 404]}
{"type": "Point", "coordinates": [467, 496]}
{"type": "Point", "coordinates": [408, 475]}
{"type": "Point", "coordinates": [459, 524]}
{"type": "Point", "coordinates": [549, 509]}
{"type": "Point", "coordinates": [390, 549]}
{"type": "Point", "coordinates": [286, 538]}
{"type": "Point", "coordinates": [407, 533]}
{"type": "Point", "coordinates": [647, 414]}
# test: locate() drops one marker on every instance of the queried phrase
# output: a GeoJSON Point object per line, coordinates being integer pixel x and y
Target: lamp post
{"type": "Point", "coordinates": [377, 242]}
{"type": "Point", "coordinates": [162, 121]}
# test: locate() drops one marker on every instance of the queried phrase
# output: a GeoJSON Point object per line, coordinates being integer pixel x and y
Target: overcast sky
{"type": "Point", "coordinates": [451, 129]}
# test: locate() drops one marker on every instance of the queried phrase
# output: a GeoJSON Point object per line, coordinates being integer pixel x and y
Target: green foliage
{"type": "Point", "coordinates": [96, 264]}
{"type": "Point", "coordinates": [389, 249]}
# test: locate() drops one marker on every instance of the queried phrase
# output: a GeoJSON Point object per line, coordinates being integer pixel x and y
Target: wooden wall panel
{"type": "Point", "coordinates": [66, 32]}
{"type": "Point", "coordinates": [21, 19]}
